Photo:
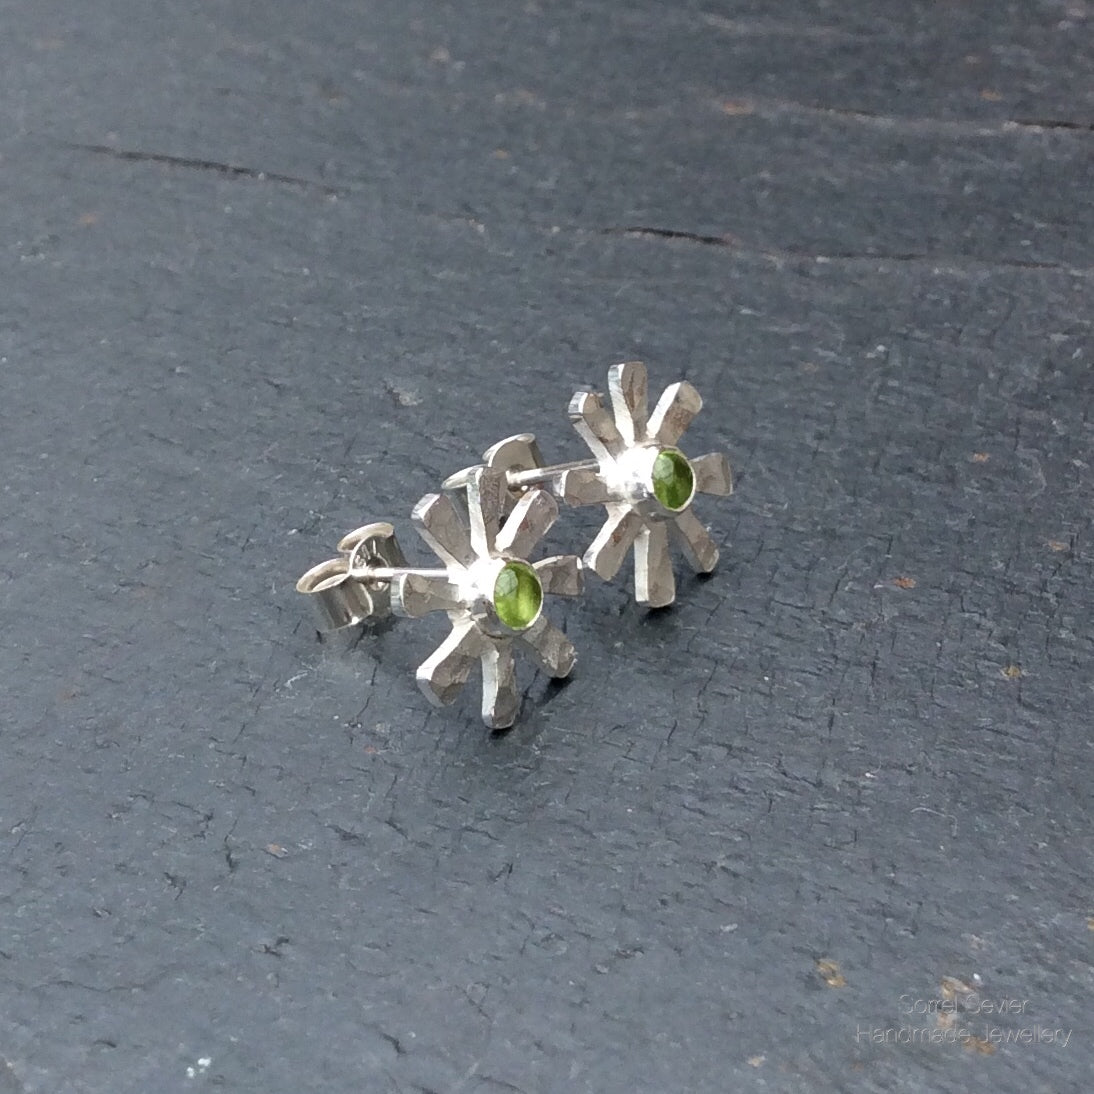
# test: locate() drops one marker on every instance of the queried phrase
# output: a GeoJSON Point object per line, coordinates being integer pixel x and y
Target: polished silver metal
{"type": "Point", "coordinates": [625, 441]}
{"type": "Point", "coordinates": [340, 596]}
{"type": "Point", "coordinates": [519, 458]}
{"type": "Point", "coordinates": [493, 515]}
{"type": "Point", "coordinates": [475, 540]}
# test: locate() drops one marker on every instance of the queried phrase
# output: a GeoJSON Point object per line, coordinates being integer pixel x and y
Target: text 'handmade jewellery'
{"type": "Point", "coordinates": [491, 516]}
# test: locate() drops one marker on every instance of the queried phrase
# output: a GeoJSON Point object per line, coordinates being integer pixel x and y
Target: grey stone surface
{"type": "Point", "coordinates": [273, 271]}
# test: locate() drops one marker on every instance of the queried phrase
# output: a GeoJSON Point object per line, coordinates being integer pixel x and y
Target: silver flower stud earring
{"type": "Point", "coordinates": [490, 517]}
{"type": "Point", "coordinates": [639, 475]}
{"type": "Point", "coordinates": [493, 595]}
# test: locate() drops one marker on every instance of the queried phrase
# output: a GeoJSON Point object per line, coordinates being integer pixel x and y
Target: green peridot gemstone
{"type": "Point", "coordinates": [673, 480]}
{"type": "Point", "coordinates": [518, 595]}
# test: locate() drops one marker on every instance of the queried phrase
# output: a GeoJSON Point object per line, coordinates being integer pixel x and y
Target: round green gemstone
{"type": "Point", "coordinates": [518, 595]}
{"type": "Point", "coordinates": [673, 480]}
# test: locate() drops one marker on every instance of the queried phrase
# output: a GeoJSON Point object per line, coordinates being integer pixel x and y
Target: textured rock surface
{"type": "Point", "coordinates": [273, 271]}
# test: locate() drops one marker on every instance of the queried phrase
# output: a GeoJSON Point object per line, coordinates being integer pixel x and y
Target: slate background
{"type": "Point", "coordinates": [271, 270]}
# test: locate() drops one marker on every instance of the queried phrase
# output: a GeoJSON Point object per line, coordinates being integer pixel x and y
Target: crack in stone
{"type": "Point", "coordinates": [1052, 123]}
{"type": "Point", "coordinates": [730, 242]}
{"type": "Point", "coordinates": [957, 127]}
{"type": "Point", "coordinates": [645, 232]}
{"type": "Point", "coordinates": [229, 170]}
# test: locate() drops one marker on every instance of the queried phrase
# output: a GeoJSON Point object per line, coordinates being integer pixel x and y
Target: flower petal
{"type": "Point", "coordinates": [441, 676]}
{"type": "Point", "coordinates": [606, 553]}
{"type": "Point", "coordinates": [486, 493]}
{"type": "Point", "coordinates": [415, 595]}
{"type": "Point", "coordinates": [582, 488]}
{"type": "Point", "coordinates": [595, 425]}
{"type": "Point", "coordinates": [439, 523]}
{"type": "Point", "coordinates": [560, 575]}
{"type": "Point", "coordinates": [678, 405]}
{"type": "Point", "coordinates": [654, 581]}
{"type": "Point", "coordinates": [628, 384]}
{"type": "Point", "coordinates": [552, 650]}
{"type": "Point", "coordinates": [698, 547]}
{"type": "Point", "coordinates": [500, 698]}
{"type": "Point", "coordinates": [517, 453]}
{"type": "Point", "coordinates": [712, 474]}
{"type": "Point", "coordinates": [528, 523]}
{"type": "Point", "coordinates": [513, 454]}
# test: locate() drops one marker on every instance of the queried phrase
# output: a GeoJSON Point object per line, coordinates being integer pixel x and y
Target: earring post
{"type": "Point", "coordinates": [536, 475]}
{"type": "Point", "coordinates": [389, 573]}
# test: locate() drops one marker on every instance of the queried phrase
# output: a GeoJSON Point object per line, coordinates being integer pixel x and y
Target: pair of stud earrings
{"type": "Point", "coordinates": [488, 519]}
